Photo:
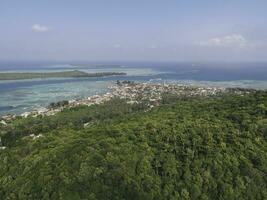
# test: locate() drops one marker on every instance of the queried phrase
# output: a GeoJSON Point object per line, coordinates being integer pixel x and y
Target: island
{"type": "Point", "coordinates": [61, 74]}
{"type": "Point", "coordinates": [140, 141]}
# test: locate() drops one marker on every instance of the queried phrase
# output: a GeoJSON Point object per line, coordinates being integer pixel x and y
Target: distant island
{"type": "Point", "coordinates": [62, 74]}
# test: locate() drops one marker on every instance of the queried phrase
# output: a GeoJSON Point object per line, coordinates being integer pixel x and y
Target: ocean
{"type": "Point", "coordinates": [20, 96]}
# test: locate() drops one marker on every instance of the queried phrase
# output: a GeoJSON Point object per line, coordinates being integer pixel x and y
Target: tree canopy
{"type": "Point", "coordinates": [186, 148]}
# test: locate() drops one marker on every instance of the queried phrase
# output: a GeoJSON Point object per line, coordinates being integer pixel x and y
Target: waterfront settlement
{"type": "Point", "coordinates": [132, 92]}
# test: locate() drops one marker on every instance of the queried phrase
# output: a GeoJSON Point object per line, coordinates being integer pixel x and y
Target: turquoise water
{"type": "Point", "coordinates": [24, 95]}
{"type": "Point", "coordinates": [24, 99]}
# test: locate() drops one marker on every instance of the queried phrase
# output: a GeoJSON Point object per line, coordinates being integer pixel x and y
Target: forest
{"type": "Point", "coordinates": [186, 148]}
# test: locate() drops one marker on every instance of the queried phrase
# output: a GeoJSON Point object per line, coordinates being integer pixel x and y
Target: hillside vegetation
{"type": "Point", "coordinates": [187, 148]}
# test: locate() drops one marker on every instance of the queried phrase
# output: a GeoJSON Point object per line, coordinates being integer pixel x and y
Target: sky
{"type": "Point", "coordinates": [133, 30]}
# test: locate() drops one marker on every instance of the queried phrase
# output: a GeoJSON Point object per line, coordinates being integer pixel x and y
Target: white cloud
{"type": "Point", "coordinates": [234, 40]}
{"type": "Point", "coordinates": [154, 47]}
{"type": "Point", "coordinates": [117, 46]}
{"type": "Point", "coordinates": [40, 28]}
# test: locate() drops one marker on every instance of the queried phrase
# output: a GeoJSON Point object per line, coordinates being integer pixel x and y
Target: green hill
{"type": "Point", "coordinates": [189, 148]}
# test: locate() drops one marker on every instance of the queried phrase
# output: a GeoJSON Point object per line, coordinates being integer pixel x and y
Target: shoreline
{"type": "Point", "coordinates": [132, 92]}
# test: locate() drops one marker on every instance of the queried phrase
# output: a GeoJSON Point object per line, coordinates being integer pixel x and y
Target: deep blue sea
{"type": "Point", "coordinates": [24, 95]}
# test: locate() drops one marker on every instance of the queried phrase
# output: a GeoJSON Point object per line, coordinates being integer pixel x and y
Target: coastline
{"type": "Point", "coordinates": [132, 92]}
{"type": "Point", "coordinates": [60, 74]}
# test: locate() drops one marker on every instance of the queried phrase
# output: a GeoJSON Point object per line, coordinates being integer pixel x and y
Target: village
{"type": "Point", "coordinates": [132, 92]}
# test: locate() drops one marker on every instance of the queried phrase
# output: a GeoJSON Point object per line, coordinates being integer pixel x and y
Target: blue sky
{"type": "Point", "coordinates": [138, 30]}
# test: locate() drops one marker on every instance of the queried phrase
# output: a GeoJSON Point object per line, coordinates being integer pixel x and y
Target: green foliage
{"type": "Point", "coordinates": [193, 148]}
{"type": "Point", "coordinates": [59, 104]}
